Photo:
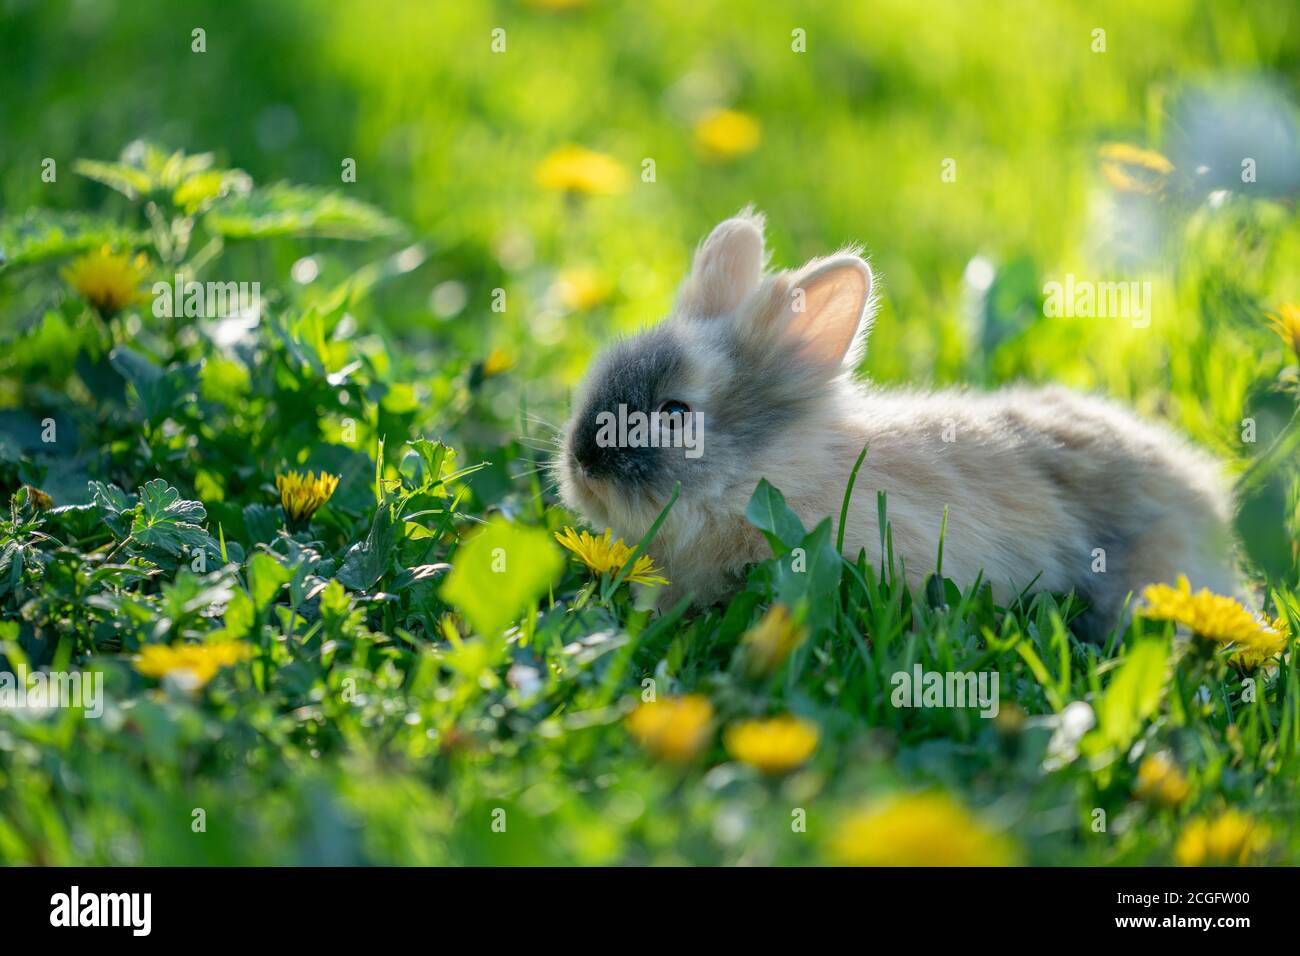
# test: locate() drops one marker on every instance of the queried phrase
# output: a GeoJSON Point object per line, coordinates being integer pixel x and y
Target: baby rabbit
{"type": "Point", "coordinates": [1035, 480]}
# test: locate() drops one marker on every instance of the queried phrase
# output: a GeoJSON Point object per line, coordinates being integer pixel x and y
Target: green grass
{"type": "Point", "coordinates": [403, 696]}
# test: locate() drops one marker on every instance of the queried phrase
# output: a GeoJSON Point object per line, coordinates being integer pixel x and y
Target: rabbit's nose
{"type": "Point", "coordinates": [585, 453]}
{"type": "Point", "coordinates": [589, 456]}
{"type": "Point", "coordinates": [587, 462]}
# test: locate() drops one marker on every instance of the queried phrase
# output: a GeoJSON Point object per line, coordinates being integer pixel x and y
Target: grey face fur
{"type": "Point", "coordinates": [638, 375]}
{"type": "Point", "coordinates": [745, 397]}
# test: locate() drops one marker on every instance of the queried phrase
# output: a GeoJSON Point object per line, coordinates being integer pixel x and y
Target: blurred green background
{"type": "Point", "coordinates": [852, 135]}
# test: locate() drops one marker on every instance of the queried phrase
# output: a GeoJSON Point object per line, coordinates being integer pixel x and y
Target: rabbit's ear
{"type": "Point", "coordinates": [827, 309]}
{"type": "Point", "coordinates": [728, 267]}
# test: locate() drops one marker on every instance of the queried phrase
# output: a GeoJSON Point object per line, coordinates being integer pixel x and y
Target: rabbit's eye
{"type": "Point", "coordinates": [672, 417]}
{"type": "Point", "coordinates": [675, 411]}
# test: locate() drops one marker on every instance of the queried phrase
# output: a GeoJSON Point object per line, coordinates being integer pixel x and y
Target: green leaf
{"type": "Point", "coordinates": [284, 209]}
{"type": "Point", "coordinates": [500, 572]}
{"type": "Point", "coordinates": [1011, 304]}
{"type": "Point", "coordinates": [941, 592]}
{"type": "Point", "coordinates": [112, 499]}
{"type": "Point", "coordinates": [432, 454]}
{"type": "Point", "coordinates": [1261, 523]}
{"type": "Point", "coordinates": [145, 168]}
{"type": "Point", "coordinates": [128, 180]}
{"type": "Point", "coordinates": [366, 561]}
{"type": "Point", "coordinates": [261, 522]}
{"type": "Point", "coordinates": [11, 567]}
{"type": "Point", "coordinates": [114, 504]}
{"type": "Point", "coordinates": [202, 190]}
{"type": "Point", "coordinates": [240, 616]}
{"type": "Point", "coordinates": [338, 613]}
{"type": "Point", "coordinates": [768, 512]}
{"type": "Point", "coordinates": [1131, 698]}
{"type": "Point", "coordinates": [266, 576]}
{"type": "Point", "coordinates": [166, 521]}
{"type": "Point", "coordinates": [42, 234]}
{"type": "Point", "coordinates": [810, 573]}
{"type": "Point", "coordinates": [160, 391]}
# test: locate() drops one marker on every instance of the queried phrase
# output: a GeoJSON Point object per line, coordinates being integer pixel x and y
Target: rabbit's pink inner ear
{"type": "Point", "coordinates": [827, 306]}
{"type": "Point", "coordinates": [728, 267]}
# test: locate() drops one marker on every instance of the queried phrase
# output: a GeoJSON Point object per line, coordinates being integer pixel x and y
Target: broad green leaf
{"type": "Point", "coordinates": [112, 499]}
{"type": "Point", "coordinates": [114, 505]}
{"type": "Point", "coordinates": [167, 521]}
{"type": "Point", "coordinates": [160, 391]}
{"type": "Point", "coordinates": [266, 576]}
{"type": "Point", "coordinates": [366, 561]}
{"type": "Point", "coordinates": [261, 522]}
{"type": "Point", "coordinates": [500, 572]}
{"type": "Point", "coordinates": [810, 572]}
{"type": "Point", "coordinates": [1261, 523]}
{"type": "Point", "coordinates": [768, 512]}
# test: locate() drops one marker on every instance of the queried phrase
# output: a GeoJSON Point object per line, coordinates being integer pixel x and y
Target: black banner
{"type": "Point", "coordinates": [337, 905]}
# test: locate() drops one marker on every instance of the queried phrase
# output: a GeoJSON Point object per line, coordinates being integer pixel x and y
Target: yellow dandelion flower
{"type": "Point", "coordinates": [919, 830]}
{"type": "Point", "coordinates": [498, 362]}
{"type": "Point", "coordinates": [607, 555]}
{"type": "Point", "coordinates": [578, 170]}
{"type": "Point", "coordinates": [1159, 781]}
{"type": "Point", "coordinates": [1264, 645]}
{"type": "Point", "coordinates": [727, 134]}
{"type": "Point", "coordinates": [581, 288]}
{"type": "Point", "coordinates": [675, 728]}
{"type": "Point", "coordinates": [1286, 322]}
{"type": "Point", "coordinates": [768, 643]}
{"type": "Point", "coordinates": [773, 746]}
{"type": "Point", "coordinates": [303, 495]}
{"type": "Point", "coordinates": [1216, 618]}
{"type": "Point", "coordinates": [1229, 839]}
{"type": "Point", "coordinates": [192, 665]}
{"type": "Point", "coordinates": [109, 281]}
{"type": "Point", "coordinates": [1132, 169]}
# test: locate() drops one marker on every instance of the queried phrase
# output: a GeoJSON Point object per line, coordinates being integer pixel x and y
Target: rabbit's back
{"type": "Point", "coordinates": [1070, 489]}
